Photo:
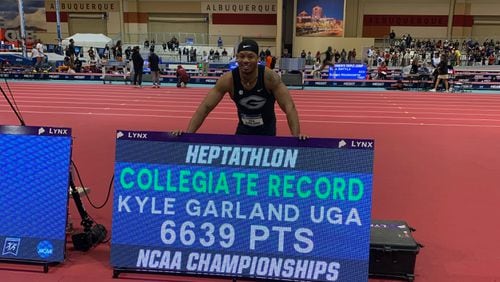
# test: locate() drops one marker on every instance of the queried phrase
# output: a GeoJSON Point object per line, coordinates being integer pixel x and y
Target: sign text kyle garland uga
{"type": "Point", "coordinates": [212, 204]}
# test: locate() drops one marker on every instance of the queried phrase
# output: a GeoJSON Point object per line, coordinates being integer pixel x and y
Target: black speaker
{"type": "Point", "coordinates": [86, 240]}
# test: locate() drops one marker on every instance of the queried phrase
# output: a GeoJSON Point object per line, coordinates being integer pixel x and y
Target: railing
{"type": "Point", "coordinates": [386, 42]}
{"type": "Point", "coordinates": [183, 38]}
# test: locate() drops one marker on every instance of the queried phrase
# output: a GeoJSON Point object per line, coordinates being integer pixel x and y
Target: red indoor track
{"type": "Point", "coordinates": [437, 162]}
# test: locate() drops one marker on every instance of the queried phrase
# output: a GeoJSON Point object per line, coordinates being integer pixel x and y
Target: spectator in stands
{"type": "Point", "coordinates": [286, 54]}
{"type": "Point", "coordinates": [318, 56]}
{"type": "Point", "coordinates": [442, 75]}
{"type": "Point", "coordinates": [38, 55]}
{"type": "Point", "coordinates": [35, 56]}
{"type": "Point", "coordinates": [91, 53]}
{"type": "Point", "coordinates": [117, 51]}
{"type": "Point", "coordinates": [315, 71]}
{"type": "Point", "coordinates": [436, 60]}
{"type": "Point", "coordinates": [66, 66]}
{"type": "Point", "coordinates": [174, 43]}
{"type": "Point", "coordinates": [414, 67]}
{"type": "Point", "coordinates": [262, 55]}
{"type": "Point", "coordinates": [224, 53]}
{"type": "Point", "coordinates": [194, 55]}
{"type": "Point", "coordinates": [370, 56]}
{"type": "Point", "coordinates": [349, 56]}
{"type": "Point", "coordinates": [254, 89]}
{"type": "Point", "coordinates": [328, 59]}
{"type": "Point", "coordinates": [392, 36]}
{"type": "Point", "coordinates": [138, 63]}
{"type": "Point", "coordinates": [303, 54]}
{"type": "Point", "coordinates": [128, 53]}
{"type": "Point", "coordinates": [107, 53]}
{"type": "Point", "coordinates": [182, 76]}
{"type": "Point", "coordinates": [309, 60]}
{"type": "Point", "coordinates": [78, 65]}
{"type": "Point", "coordinates": [188, 54]}
{"type": "Point", "coordinates": [382, 71]}
{"type": "Point", "coordinates": [219, 42]}
{"type": "Point", "coordinates": [204, 63]}
{"type": "Point", "coordinates": [164, 46]}
{"type": "Point", "coordinates": [343, 56]}
{"type": "Point", "coordinates": [70, 51]}
{"type": "Point", "coordinates": [154, 66]}
{"type": "Point", "coordinates": [491, 59]}
{"type": "Point", "coordinates": [336, 56]}
{"type": "Point", "coordinates": [269, 58]}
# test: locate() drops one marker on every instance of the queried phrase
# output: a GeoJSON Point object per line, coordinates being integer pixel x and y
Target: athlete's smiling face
{"type": "Point", "coordinates": [247, 61]}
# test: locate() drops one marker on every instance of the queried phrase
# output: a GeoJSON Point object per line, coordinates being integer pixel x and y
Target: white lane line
{"type": "Point", "coordinates": [280, 120]}
{"type": "Point", "coordinates": [230, 111]}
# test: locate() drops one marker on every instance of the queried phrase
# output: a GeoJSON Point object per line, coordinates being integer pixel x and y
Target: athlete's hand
{"type": "Point", "coordinates": [176, 132]}
{"type": "Point", "coordinates": [303, 137]}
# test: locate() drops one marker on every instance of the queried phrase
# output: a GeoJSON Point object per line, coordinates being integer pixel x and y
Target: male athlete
{"type": "Point", "coordinates": [254, 89]}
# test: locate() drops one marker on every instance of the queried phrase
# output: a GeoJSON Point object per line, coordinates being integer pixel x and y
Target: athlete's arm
{"type": "Point", "coordinates": [278, 88]}
{"type": "Point", "coordinates": [212, 99]}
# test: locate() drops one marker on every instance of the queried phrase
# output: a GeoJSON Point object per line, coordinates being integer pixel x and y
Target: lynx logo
{"type": "Point", "coordinates": [58, 131]}
{"type": "Point", "coordinates": [11, 246]}
{"type": "Point", "coordinates": [361, 144]}
{"type": "Point", "coordinates": [137, 135]}
{"type": "Point", "coordinates": [45, 249]}
{"type": "Point", "coordinates": [119, 134]}
{"type": "Point", "coordinates": [240, 92]}
{"type": "Point", "coordinates": [41, 131]}
{"type": "Point", "coordinates": [253, 102]}
{"type": "Point", "coordinates": [342, 143]}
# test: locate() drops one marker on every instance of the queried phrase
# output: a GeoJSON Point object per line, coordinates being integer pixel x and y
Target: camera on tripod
{"type": "Point", "coordinates": [92, 234]}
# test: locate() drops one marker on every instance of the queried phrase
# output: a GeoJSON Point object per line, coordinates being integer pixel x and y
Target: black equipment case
{"type": "Point", "coordinates": [393, 251]}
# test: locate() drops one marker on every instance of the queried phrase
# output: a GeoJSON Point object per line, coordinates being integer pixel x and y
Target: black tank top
{"type": "Point", "coordinates": [256, 114]}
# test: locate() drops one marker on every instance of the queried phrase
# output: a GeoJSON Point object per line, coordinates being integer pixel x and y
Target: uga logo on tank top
{"type": "Point", "coordinates": [253, 102]}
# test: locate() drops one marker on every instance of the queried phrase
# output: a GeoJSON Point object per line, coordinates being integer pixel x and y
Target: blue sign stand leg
{"type": "Point", "coordinates": [44, 264]}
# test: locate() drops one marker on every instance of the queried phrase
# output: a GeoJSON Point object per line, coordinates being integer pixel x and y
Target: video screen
{"type": "Point", "coordinates": [34, 173]}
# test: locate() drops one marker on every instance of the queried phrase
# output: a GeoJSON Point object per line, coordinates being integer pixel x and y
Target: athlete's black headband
{"type": "Point", "coordinates": [248, 45]}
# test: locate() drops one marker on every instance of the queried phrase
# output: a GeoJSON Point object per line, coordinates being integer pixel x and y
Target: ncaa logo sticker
{"type": "Point", "coordinates": [240, 92]}
{"type": "Point", "coordinates": [11, 246]}
{"type": "Point", "coordinates": [45, 249]}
